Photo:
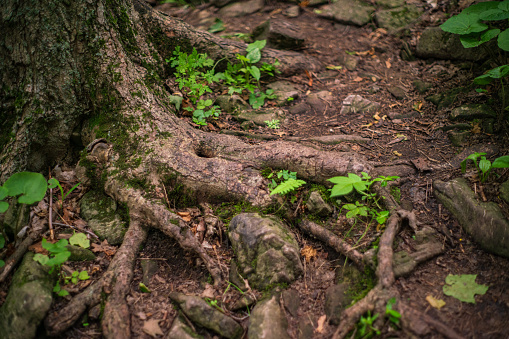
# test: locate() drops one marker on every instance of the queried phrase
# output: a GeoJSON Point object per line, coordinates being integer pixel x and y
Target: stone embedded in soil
{"type": "Point", "coordinates": [180, 330]}
{"type": "Point", "coordinates": [336, 300]}
{"type": "Point", "coordinates": [258, 117]}
{"type": "Point", "coordinates": [291, 301]}
{"type": "Point", "coordinates": [348, 61]}
{"type": "Point", "coordinates": [285, 92]}
{"type": "Point", "coordinates": [357, 104]}
{"type": "Point", "coordinates": [200, 312]}
{"type": "Point", "coordinates": [398, 92]}
{"type": "Point", "coordinates": [435, 43]}
{"type": "Point", "coordinates": [446, 99]}
{"type": "Point", "coordinates": [80, 253]}
{"type": "Point", "coordinates": [28, 300]}
{"type": "Point", "coordinates": [320, 102]}
{"type": "Point", "coordinates": [242, 8]}
{"type": "Point", "coordinates": [267, 252]}
{"type": "Point", "coordinates": [292, 11]}
{"type": "Point", "coordinates": [483, 221]}
{"type": "Point", "coordinates": [279, 35]}
{"type": "Point", "coordinates": [393, 19]}
{"type": "Point", "coordinates": [458, 139]}
{"type": "Point", "coordinates": [150, 268]}
{"type": "Point", "coordinates": [390, 3]}
{"type": "Point", "coordinates": [316, 205]}
{"type": "Point", "coordinates": [300, 108]}
{"type": "Point", "coordinates": [231, 103]}
{"type": "Point", "coordinates": [268, 320]}
{"type": "Point", "coordinates": [422, 86]}
{"type": "Point", "coordinates": [472, 111]}
{"type": "Point", "coordinates": [348, 12]}
{"type": "Point", "coordinates": [504, 191]}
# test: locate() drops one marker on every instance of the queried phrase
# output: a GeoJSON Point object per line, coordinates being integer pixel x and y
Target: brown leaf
{"type": "Point", "coordinates": [358, 79]}
{"type": "Point", "coordinates": [151, 327]}
{"type": "Point", "coordinates": [321, 323]}
{"type": "Point", "coordinates": [436, 303]}
{"type": "Point", "coordinates": [186, 216]}
{"type": "Point", "coordinates": [104, 247]}
{"type": "Point", "coordinates": [308, 252]}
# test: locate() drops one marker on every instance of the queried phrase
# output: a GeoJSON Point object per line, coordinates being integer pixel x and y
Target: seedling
{"type": "Point", "coordinates": [274, 124]}
{"type": "Point", "coordinates": [365, 328]}
{"type": "Point", "coordinates": [484, 166]}
{"type": "Point", "coordinates": [53, 182]}
{"type": "Point", "coordinates": [394, 316]}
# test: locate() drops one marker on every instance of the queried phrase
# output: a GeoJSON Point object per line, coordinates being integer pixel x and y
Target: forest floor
{"type": "Point", "coordinates": [416, 139]}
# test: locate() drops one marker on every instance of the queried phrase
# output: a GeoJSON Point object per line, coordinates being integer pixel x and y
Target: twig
{"type": "Point", "coordinates": [77, 228]}
{"type": "Point", "coordinates": [50, 214]}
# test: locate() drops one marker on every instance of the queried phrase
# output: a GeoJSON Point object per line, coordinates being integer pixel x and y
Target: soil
{"type": "Point", "coordinates": [424, 144]}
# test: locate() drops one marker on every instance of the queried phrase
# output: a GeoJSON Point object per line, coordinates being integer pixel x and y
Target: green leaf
{"type": "Point", "coordinates": [83, 275]}
{"type": "Point", "coordinates": [4, 192]}
{"type": "Point", "coordinates": [144, 289]}
{"type": "Point", "coordinates": [495, 73]}
{"type": "Point", "coordinates": [494, 14]}
{"type": "Point", "coordinates": [504, 5]}
{"type": "Point", "coordinates": [256, 101]}
{"type": "Point", "coordinates": [287, 186]}
{"type": "Point", "coordinates": [63, 293]}
{"type": "Point", "coordinates": [3, 206]}
{"type": "Point", "coordinates": [481, 7]}
{"type": "Point", "coordinates": [57, 247]}
{"type": "Point", "coordinates": [254, 56]}
{"type": "Point", "coordinates": [464, 23]}
{"type": "Point", "coordinates": [53, 182]}
{"type": "Point", "coordinates": [463, 287]}
{"type": "Point", "coordinates": [476, 39]}
{"type": "Point", "coordinates": [31, 186]}
{"type": "Point", "coordinates": [217, 26]}
{"type": "Point", "coordinates": [503, 40]}
{"type": "Point", "coordinates": [2, 263]}
{"type": "Point", "coordinates": [2, 241]}
{"type": "Point", "coordinates": [345, 185]}
{"type": "Point", "coordinates": [41, 258]}
{"type": "Point", "coordinates": [255, 72]}
{"type": "Point", "coordinates": [79, 239]}
{"type": "Point", "coordinates": [259, 44]}
{"type": "Point", "coordinates": [484, 165]}
{"type": "Point", "coordinates": [500, 162]}
{"type": "Point", "coordinates": [59, 259]}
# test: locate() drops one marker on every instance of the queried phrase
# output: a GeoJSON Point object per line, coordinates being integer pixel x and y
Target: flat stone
{"type": "Point", "coordinates": [348, 61]}
{"type": "Point", "coordinates": [80, 253]}
{"type": "Point", "coordinates": [472, 111]}
{"type": "Point", "coordinates": [285, 92]}
{"type": "Point", "coordinates": [300, 108]}
{"type": "Point", "coordinates": [336, 300]}
{"type": "Point", "coordinates": [231, 103]}
{"type": "Point", "coordinates": [268, 320]}
{"type": "Point", "coordinates": [180, 330]}
{"type": "Point", "coordinates": [483, 221]}
{"type": "Point", "coordinates": [279, 35]}
{"type": "Point", "coordinates": [259, 117]}
{"type": "Point", "coordinates": [348, 12]}
{"type": "Point", "coordinates": [357, 104]}
{"type": "Point", "coordinates": [150, 268]}
{"type": "Point", "coordinates": [239, 9]}
{"type": "Point", "coordinates": [319, 101]}
{"type": "Point", "coordinates": [458, 139]}
{"type": "Point", "coordinates": [291, 301]}
{"type": "Point", "coordinates": [504, 191]}
{"type": "Point", "coordinates": [397, 92]}
{"type": "Point", "coordinates": [316, 205]}
{"type": "Point", "coordinates": [422, 86]}
{"type": "Point", "coordinates": [393, 19]}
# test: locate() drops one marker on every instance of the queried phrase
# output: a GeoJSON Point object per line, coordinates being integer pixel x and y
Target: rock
{"type": "Point", "coordinates": [245, 301]}
{"type": "Point", "coordinates": [292, 11]}
{"type": "Point", "coordinates": [397, 92]}
{"type": "Point", "coordinates": [200, 312]}
{"type": "Point", "coordinates": [339, 138]}
{"type": "Point", "coordinates": [241, 8]}
{"type": "Point", "coordinates": [393, 19]}
{"type": "Point", "coordinates": [279, 35]}
{"type": "Point", "coordinates": [472, 111]}
{"type": "Point", "coordinates": [231, 103]}
{"type": "Point", "coordinates": [306, 329]}
{"type": "Point", "coordinates": [435, 43]}
{"type": "Point", "coordinates": [80, 253]}
{"type": "Point", "coordinates": [267, 252]}
{"type": "Point", "coordinates": [28, 301]}
{"type": "Point", "coordinates": [336, 300]}
{"type": "Point", "coordinates": [285, 92]}
{"type": "Point", "coordinates": [444, 100]}
{"type": "Point", "coordinates": [300, 108]}
{"type": "Point", "coordinates": [100, 212]}
{"type": "Point", "coordinates": [319, 101]}
{"type": "Point", "coordinates": [504, 191]}
{"type": "Point", "coordinates": [348, 61]}
{"type": "Point", "coordinates": [259, 116]}
{"type": "Point", "coordinates": [422, 86]}
{"type": "Point", "coordinates": [150, 268]}
{"type": "Point", "coordinates": [180, 330]}
{"type": "Point", "coordinates": [291, 301]}
{"type": "Point", "coordinates": [348, 12]}
{"type": "Point", "coordinates": [357, 104]}
{"type": "Point", "coordinates": [390, 3]}
{"type": "Point", "coordinates": [15, 218]}
{"type": "Point", "coordinates": [268, 320]}
{"type": "Point", "coordinates": [316, 205]}
{"type": "Point", "coordinates": [483, 221]}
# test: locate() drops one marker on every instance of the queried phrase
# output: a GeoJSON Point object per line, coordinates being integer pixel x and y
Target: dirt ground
{"type": "Point", "coordinates": [379, 55]}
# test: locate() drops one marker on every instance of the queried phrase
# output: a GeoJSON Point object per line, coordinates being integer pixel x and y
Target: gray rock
{"type": "Point", "coordinates": [397, 92]}
{"type": "Point", "coordinates": [393, 19]}
{"type": "Point", "coordinates": [231, 103]}
{"type": "Point", "coordinates": [306, 329]}
{"type": "Point", "coordinates": [435, 43]}
{"type": "Point", "coordinates": [504, 191]}
{"type": "Point", "coordinates": [15, 218]}
{"type": "Point", "coordinates": [483, 221]}
{"type": "Point", "coordinates": [285, 92]}
{"type": "Point", "coordinates": [150, 268]}
{"type": "Point", "coordinates": [259, 116]}
{"type": "Point", "coordinates": [291, 301]}
{"type": "Point", "coordinates": [267, 252]}
{"type": "Point", "coordinates": [446, 99]}
{"type": "Point", "coordinates": [357, 104]}
{"type": "Point", "coordinates": [348, 61]}
{"type": "Point", "coordinates": [241, 8]}
{"type": "Point", "coordinates": [319, 101]}
{"type": "Point", "coordinates": [472, 111]}
{"type": "Point", "coordinates": [245, 301]}
{"type": "Point", "coordinates": [180, 330]}
{"type": "Point", "coordinates": [292, 11]}
{"type": "Point", "coordinates": [336, 300]}
{"type": "Point", "coordinates": [279, 35]}
{"type": "Point", "coordinates": [300, 108]}
{"type": "Point", "coordinates": [80, 253]}
{"type": "Point", "coordinates": [348, 12]}
{"type": "Point", "coordinates": [268, 320]}
{"type": "Point", "coordinates": [422, 86]}
{"type": "Point", "coordinates": [100, 212]}
{"type": "Point", "coordinates": [28, 301]}
{"type": "Point", "coordinates": [200, 312]}
{"type": "Point", "coordinates": [316, 205]}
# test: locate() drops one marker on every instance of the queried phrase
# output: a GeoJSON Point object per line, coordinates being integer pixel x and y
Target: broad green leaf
{"type": "Point", "coordinates": [59, 259]}
{"type": "Point", "coordinates": [254, 56]}
{"type": "Point", "coordinates": [484, 165]}
{"type": "Point", "coordinates": [53, 182]}
{"type": "Point", "coordinates": [481, 7]}
{"type": "Point", "coordinates": [79, 239]}
{"type": "Point", "coordinates": [83, 275]}
{"type": "Point", "coordinates": [464, 24]}
{"type": "Point", "coordinates": [476, 39]}
{"type": "Point", "coordinates": [57, 247]}
{"type": "Point", "coordinates": [255, 72]}
{"type": "Point", "coordinates": [31, 186]}
{"type": "Point", "coordinates": [63, 293]}
{"type": "Point", "coordinates": [504, 5]}
{"type": "Point", "coordinates": [360, 186]}
{"type": "Point", "coordinates": [258, 44]}
{"type": "Point", "coordinates": [41, 258]}
{"type": "Point", "coordinates": [341, 189]}
{"type": "Point", "coordinates": [3, 206]}
{"type": "Point", "coordinates": [463, 287]}
{"type": "Point", "coordinates": [217, 26]}
{"type": "Point", "coordinates": [494, 14]}
{"type": "Point", "coordinates": [176, 101]}
{"type": "Point", "coordinates": [503, 40]}
{"type": "Point", "coordinates": [495, 73]}
{"type": "Point", "coordinates": [4, 192]}
{"type": "Point", "coordinates": [143, 288]}
{"type": "Point", "coordinates": [500, 162]}
{"type": "Point", "coordinates": [2, 263]}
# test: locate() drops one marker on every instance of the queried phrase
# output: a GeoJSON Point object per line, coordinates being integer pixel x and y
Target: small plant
{"type": "Point", "coordinates": [285, 182]}
{"type": "Point", "coordinates": [214, 303]}
{"type": "Point", "coordinates": [394, 316]}
{"type": "Point", "coordinates": [484, 166]}
{"type": "Point", "coordinates": [365, 328]}
{"type": "Point", "coordinates": [201, 113]}
{"type": "Point", "coordinates": [30, 187]}
{"type": "Point", "coordinates": [53, 182]}
{"type": "Point", "coordinates": [274, 124]}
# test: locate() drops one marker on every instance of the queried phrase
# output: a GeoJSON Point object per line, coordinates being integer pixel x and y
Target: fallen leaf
{"type": "Point", "coordinates": [334, 67]}
{"type": "Point", "coordinates": [367, 125]}
{"type": "Point", "coordinates": [321, 322]}
{"type": "Point", "coordinates": [186, 216]}
{"type": "Point", "coordinates": [417, 106]}
{"type": "Point", "coordinates": [463, 287]}
{"type": "Point", "coordinates": [308, 252]}
{"type": "Point", "coordinates": [397, 153]}
{"type": "Point", "coordinates": [436, 303]}
{"type": "Point", "coordinates": [151, 327]}
{"type": "Point", "coordinates": [358, 79]}
{"type": "Point", "coordinates": [388, 63]}
{"type": "Point", "coordinates": [104, 247]}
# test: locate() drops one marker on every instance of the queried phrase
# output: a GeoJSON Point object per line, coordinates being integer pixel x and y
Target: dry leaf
{"type": "Point", "coordinates": [368, 125]}
{"type": "Point", "coordinates": [186, 216]}
{"type": "Point", "coordinates": [321, 323]}
{"type": "Point", "coordinates": [358, 79]}
{"type": "Point", "coordinates": [397, 153]}
{"type": "Point", "coordinates": [376, 116]}
{"type": "Point", "coordinates": [436, 303]}
{"type": "Point", "coordinates": [104, 247]}
{"type": "Point", "coordinates": [151, 327]}
{"type": "Point", "coordinates": [308, 252]}
{"type": "Point", "coordinates": [388, 63]}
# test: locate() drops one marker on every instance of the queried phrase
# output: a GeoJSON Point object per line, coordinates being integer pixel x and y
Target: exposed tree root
{"type": "Point", "coordinates": [115, 282]}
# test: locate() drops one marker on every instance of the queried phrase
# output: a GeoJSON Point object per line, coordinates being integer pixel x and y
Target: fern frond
{"type": "Point", "coordinates": [287, 186]}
